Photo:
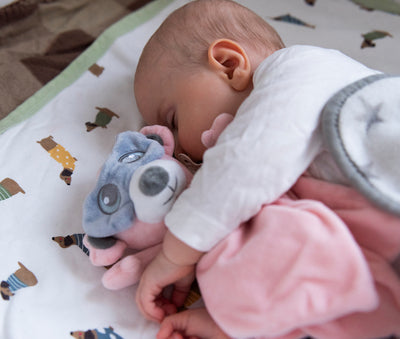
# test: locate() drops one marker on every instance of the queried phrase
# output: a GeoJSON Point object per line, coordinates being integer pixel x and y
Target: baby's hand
{"type": "Point", "coordinates": [160, 273]}
{"type": "Point", "coordinates": [195, 323]}
{"type": "Point", "coordinates": [175, 264]}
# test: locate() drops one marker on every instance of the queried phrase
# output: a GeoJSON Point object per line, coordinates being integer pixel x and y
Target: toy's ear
{"type": "Point", "coordinates": [155, 131]}
{"type": "Point", "coordinates": [209, 137]}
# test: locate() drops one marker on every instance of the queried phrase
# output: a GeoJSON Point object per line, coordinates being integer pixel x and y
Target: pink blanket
{"type": "Point", "coordinates": [296, 269]}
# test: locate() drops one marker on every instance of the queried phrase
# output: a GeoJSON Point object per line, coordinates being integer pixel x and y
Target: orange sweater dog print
{"type": "Point", "coordinates": [62, 156]}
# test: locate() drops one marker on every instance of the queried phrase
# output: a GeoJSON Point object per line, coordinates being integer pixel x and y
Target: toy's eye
{"type": "Point", "coordinates": [130, 157]}
{"type": "Point", "coordinates": [109, 199]}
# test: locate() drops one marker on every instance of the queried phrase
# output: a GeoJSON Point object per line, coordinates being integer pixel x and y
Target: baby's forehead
{"type": "Point", "coordinates": [148, 92]}
{"type": "Point", "coordinates": [157, 70]}
{"type": "Point", "coordinates": [154, 58]}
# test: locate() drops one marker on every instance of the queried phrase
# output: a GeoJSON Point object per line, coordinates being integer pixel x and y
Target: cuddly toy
{"type": "Point", "coordinates": [123, 216]}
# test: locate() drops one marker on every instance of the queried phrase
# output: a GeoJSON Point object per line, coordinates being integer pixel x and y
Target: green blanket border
{"type": "Point", "coordinates": [81, 64]}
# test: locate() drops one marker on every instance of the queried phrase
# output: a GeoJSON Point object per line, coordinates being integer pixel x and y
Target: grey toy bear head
{"type": "Point", "coordinates": [109, 209]}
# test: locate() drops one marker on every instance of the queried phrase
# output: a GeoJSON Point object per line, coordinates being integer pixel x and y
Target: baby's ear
{"type": "Point", "coordinates": [230, 61]}
{"type": "Point", "coordinates": [162, 132]}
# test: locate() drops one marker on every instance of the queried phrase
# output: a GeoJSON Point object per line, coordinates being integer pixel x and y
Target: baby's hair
{"type": "Point", "coordinates": [189, 31]}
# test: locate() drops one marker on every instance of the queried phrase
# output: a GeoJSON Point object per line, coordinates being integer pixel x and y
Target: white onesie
{"type": "Point", "coordinates": [274, 138]}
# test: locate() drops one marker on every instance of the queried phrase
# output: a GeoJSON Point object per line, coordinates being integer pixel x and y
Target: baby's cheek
{"type": "Point", "coordinates": [191, 145]}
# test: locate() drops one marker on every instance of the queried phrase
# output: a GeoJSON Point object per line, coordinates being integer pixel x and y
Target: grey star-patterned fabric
{"type": "Point", "coordinates": [361, 126]}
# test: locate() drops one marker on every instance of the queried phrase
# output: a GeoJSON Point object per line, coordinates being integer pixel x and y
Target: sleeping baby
{"type": "Point", "coordinates": [279, 267]}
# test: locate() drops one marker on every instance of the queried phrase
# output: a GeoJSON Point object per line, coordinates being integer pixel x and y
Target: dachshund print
{"type": "Point", "coordinates": [8, 188]}
{"type": "Point", "coordinates": [73, 239]}
{"type": "Point", "coordinates": [292, 20]}
{"type": "Point", "coordinates": [95, 334]}
{"type": "Point", "coordinates": [19, 279]}
{"type": "Point", "coordinates": [373, 35]}
{"type": "Point", "coordinates": [103, 118]}
{"type": "Point", "coordinates": [62, 156]}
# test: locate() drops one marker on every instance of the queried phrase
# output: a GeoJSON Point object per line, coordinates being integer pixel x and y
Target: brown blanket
{"type": "Point", "coordinates": [39, 38]}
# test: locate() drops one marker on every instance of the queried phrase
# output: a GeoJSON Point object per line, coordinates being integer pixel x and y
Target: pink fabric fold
{"type": "Point", "coordinates": [294, 270]}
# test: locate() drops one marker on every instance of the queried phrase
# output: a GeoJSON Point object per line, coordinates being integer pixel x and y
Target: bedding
{"type": "Point", "coordinates": [54, 142]}
{"type": "Point", "coordinates": [39, 38]}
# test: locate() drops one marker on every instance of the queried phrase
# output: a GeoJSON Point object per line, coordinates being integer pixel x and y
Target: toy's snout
{"type": "Point", "coordinates": [154, 188]}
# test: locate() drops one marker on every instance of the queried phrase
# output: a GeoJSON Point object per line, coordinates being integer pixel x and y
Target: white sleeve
{"type": "Point", "coordinates": [272, 140]}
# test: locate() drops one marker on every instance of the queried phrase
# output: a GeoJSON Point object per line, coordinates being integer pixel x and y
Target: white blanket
{"type": "Point", "coordinates": [59, 131]}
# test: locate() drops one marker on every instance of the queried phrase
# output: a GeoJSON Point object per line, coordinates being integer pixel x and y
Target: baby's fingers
{"type": "Point", "coordinates": [191, 324]}
{"type": "Point", "coordinates": [166, 305]}
{"type": "Point", "coordinates": [181, 290]}
{"type": "Point", "coordinates": [174, 327]}
{"type": "Point", "coordinates": [146, 300]}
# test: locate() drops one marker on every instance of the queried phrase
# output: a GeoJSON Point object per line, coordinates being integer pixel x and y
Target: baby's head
{"type": "Point", "coordinates": [199, 64]}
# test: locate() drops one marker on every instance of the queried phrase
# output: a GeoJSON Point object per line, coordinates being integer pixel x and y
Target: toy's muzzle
{"type": "Point", "coordinates": [154, 187]}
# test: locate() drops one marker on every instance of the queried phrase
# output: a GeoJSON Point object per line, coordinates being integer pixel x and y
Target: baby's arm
{"type": "Point", "coordinates": [175, 265]}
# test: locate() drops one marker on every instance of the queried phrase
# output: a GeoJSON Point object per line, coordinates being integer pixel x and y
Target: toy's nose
{"type": "Point", "coordinates": [153, 180]}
